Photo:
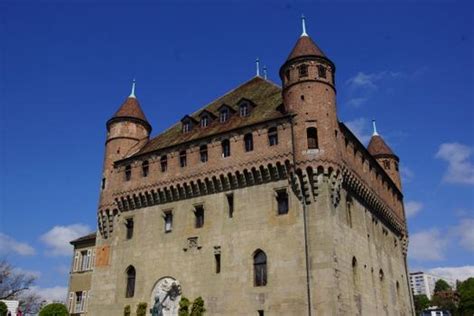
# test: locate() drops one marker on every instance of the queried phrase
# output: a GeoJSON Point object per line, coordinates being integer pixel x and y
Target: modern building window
{"type": "Point", "coordinates": [230, 204]}
{"type": "Point", "coordinates": [145, 168]}
{"type": "Point", "coordinates": [182, 158]}
{"type": "Point", "coordinates": [312, 137]}
{"type": "Point", "coordinates": [131, 277]}
{"type": "Point", "coordinates": [225, 148]}
{"type": "Point", "coordinates": [205, 121]}
{"type": "Point", "coordinates": [168, 221]}
{"type": "Point", "coordinates": [164, 163]}
{"type": "Point", "coordinates": [282, 201]}
{"type": "Point", "coordinates": [129, 227]}
{"type": "Point", "coordinates": [79, 303]}
{"type": "Point", "coordinates": [128, 172]}
{"type": "Point", "coordinates": [321, 71]}
{"type": "Point", "coordinates": [260, 268]}
{"type": "Point", "coordinates": [224, 115]}
{"type": "Point", "coordinates": [217, 259]}
{"type": "Point", "coordinates": [248, 141]}
{"type": "Point", "coordinates": [303, 70]}
{"type": "Point", "coordinates": [244, 109]}
{"type": "Point", "coordinates": [273, 136]}
{"type": "Point", "coordinates": [203, 153]}
{"type": "Point", "coordinates": [199, 216]}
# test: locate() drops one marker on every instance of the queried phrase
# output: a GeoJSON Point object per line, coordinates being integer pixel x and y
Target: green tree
{"type": "Point", "coordinates": [3, 309]}
{"type": "Point", "coordinates": [421, 303]}
{"type": "Point", "coordinates": [184, 307]}
{"type": "Point", "coordinates": [445, 300]}
{"type": "Point", "coordinates": [54, 309]}
{"type": "Point", "coordinates": [442, 286]}
{"type": "Point", "coordinates": [466, 293]}
{"type": "Point", "coordinates": [197, 309]}
{"type": "Point", "coordinates": [141, 309]}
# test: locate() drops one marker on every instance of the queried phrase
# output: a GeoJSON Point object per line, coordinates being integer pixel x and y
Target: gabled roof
{"type": "Point", "coordinates": [378, 147]}
{"type": "Point", "coordinates": [305, 47]}
{"type": "Point", "coordinates": [89, 237]}
{"type": "Point", "coordinates": [265, 94]}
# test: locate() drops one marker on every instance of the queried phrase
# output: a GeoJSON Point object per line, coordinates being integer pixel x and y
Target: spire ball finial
{"type": "Point", "coordinates": [303, 24]}
{"type": "Point", "coordinates": [257, 64]}
{"type": "Point", "coordinates": [375, 129]}
{"type": "Point", "coordinates": [264, 72]}
{"type": "Point", "coordinates": [132, 94]}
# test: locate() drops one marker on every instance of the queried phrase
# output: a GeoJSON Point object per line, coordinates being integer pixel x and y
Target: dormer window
{"type": "Point", "coordinates": [244, 109]}
{"type": "Point", "coordinates": [188, 123]}
{"type": "Point", "coordinates": [204, 121]}
{"type": "Point", "coordinates": [321, 71]}
{"type": "Point", "coordinates": [303, 70]}
{"type": "Point", "coordinates": [224, 115]}
{"type": "Point", "coordinates": [186, 127]}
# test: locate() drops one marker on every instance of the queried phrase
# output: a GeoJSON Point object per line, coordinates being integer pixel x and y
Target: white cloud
{"type": "Point", "coordinates": [460, 168]}
{"type": "Point", "coordinates": [407, 174]}
{"type": "Point", "coordinates": [356, 102]}
{"type": "Point", "coordinates": [412, 208]}
{"type": "Point", "coordinates": [465, 232]}
{"type": "Point", "coordinates": [427, 245]}
{"type": "Point", "coordinates": [35, 274]}
{"type": "Point", "coordinates": [454, 273]}
{"type": "Point", "coordinates": [360, 129]}
{"type": "Point", "coordinates": [58, 238]}
{"type": "Point", "coordinates": [51, 294]}
{"type": "Point", "coordinates": [368, 81]}
{"type": "Point", "coordinates": [9, 245]}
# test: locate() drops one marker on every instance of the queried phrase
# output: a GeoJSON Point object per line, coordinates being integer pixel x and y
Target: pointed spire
{"type": "Point", "coordinates": [132, 94]}
{"type": "Point", "coordinates": [375, 129]}
{"type": "Point", "coordinates": [303, 24]}
{"type": "Point", "coordinates": [257, 64]}
{"type": "Point", "coordinates": [264, 72]}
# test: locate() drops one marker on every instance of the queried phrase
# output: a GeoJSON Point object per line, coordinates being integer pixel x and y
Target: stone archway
{"type": "Point", "coordinates": [168, 291]}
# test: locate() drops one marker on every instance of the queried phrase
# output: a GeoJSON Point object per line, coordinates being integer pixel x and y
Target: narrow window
{"type": "Point", "coordinates": [168, 221]}
{"type": "Point", "coordinates": [381, 274]}
{"type": "Point", "coordinates": [217, 259]}
{"type": "Point", "coordinates": [225, 148]}
{"type": "Point", "coordinates": [204, 121]}
{"type": "Point", "coordinates": [321, 71]}
{"type": "Point", "coordinates": [129, 226]}
{"type": "Point", "coordinates": [303, 70]}
{"type": "Point", "coordinates": [312, 137]}
{"type": "Point", "coordinates": [78, 306]}
{"type": "Point", "coordinates": [248, 141]}
{"type": "Point", "coordinates": [84, 260]}
{"type": "Point", "coordinates": [103, 184]}
{"type": "Point", "coordinates": [230, 204]}
{"type": "Point", "coordinates": [282, 201]}
{"type": "Point", "coordinates": [244, 109]}
{"type": "Point", "coordinates": [273, 136]}
{"type": "Point", "coordinates": [186, 127]}
{"type": "Point", "coordinates": [128, 173]}
{"type": "Point", "coordinates": [203, 153]}
{"type": "Point", "coordinates": [260, 268]}
{"type": "Point", "coordinates": [145, 168]}
{"type": "Point", "coordinates": [349, 212]}
{"type": "Point", "coordinates": [199, 214]}
{"type": "Point", "coordinates": [354, 272]}
{"type": "Point", "coordinates": [182, 158]}
{"type": "Point", "coordinates": [224, 115]}
{"type": "Point", "coordinates": [131, 276]}
{"type": "Point", "coordinates": [164, 163]}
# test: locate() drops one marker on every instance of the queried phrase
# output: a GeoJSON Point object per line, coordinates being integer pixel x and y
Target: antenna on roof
{"type": "Point", "coordinates": [132, 94]}
{"type": "Point", "coordinates": [265, 72]}
{"type": "Point", "coordinates": [375, 129]}
{"type": "Point", "coordinates": [257, 64]}
{"type": "Point", "coordinates": [303, 24]}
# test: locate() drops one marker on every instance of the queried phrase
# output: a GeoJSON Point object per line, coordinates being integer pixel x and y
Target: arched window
{"type": "Point", "coordinates": [248, 141]}
{"type": "Point", "coordinates": [260, 268]}
{"type": "Point", "coordinates": [273, 136]}
{"type": "Point", "coordinates": [303, 70]}
{"type": "Point", "coordinates": [131, 277]}
{"type": "Point", "coordinates": [182, 158]}
{"type": "Point", "coordinates": [128, 173]}
{"type": "Point", "coordinates": [164, 163]}
{"type": "Point", "coordinates": [321, 71]}
{"type": "Point", "coordinates": [203, 153]}
{"type": "Point", "coordinates": [225, 148]}
{"type": "Point", "coordinates": [312, 137]}
{"type": "Point", "coordinates": [145, 168]}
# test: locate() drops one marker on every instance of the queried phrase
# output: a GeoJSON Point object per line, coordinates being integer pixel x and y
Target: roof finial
{"type": "Point", "coordinates": [132, 94]}
{"type": "Point", "coordinates": [265, 72]}
{"type": "Point", "coordinates": [257, 64]}
{"type": "Point", "coordinates": [375, 129]}
{"type": "Point", "coordinates": [303, 23]}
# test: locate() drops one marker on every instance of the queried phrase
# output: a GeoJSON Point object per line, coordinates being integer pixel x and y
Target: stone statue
{"type": "Point", "coordinates": [157, 309]}
{"type": "Point", "coordinates": [166, 298]}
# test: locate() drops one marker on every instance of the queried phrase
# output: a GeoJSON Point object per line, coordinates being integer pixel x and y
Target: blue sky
{"type": "Point", "coordinates": [66, 67]}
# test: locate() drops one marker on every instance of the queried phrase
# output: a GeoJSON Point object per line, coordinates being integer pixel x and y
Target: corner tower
{"type": "Point", "coordinates": [309, 93]}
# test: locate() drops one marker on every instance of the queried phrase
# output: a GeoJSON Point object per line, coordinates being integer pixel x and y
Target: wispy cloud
{"type": "Point", "coordinates": [407, 174]}
{"type": "Point", "coordinates": [51, 294]}
{"type": "Point", "coordinates": [412, 208]}
{"type": "Point", "coordinates": [369, 81]}
{"type": "Point", "coordinates": [9, 245]}
{"type": "Point", "coordinates": [360, 128]}
{"type": "Point", "coordinates": [58, 238]}
{"type": "Point", "coordinates": [428, 245]}
{"type": "Point", "coordinates": [460, 168]}
{"type": "Point", "coordinates": [454, 273]}
{"type": "Point", "coordinates": [465, 231]}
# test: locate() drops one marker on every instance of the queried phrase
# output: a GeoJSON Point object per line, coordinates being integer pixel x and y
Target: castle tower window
{"type": "Point", "coordinates": [386, 164]}
{"type": "Point", "coordinates": [260, 268]}
{"type": "Point", "coordinates": [225, 148]}
{"type": "Point", "coordinates": [131, 277]}
{"type": "Point", "coordinates": [349, 211]}
{"type": "Point", "coordinates": [182, 158]}
{"type": "Point", "coordinates": [168, 221]}
{"type": "Point", "coordinates": [312, 137]}
{"type": "Point", "coordinates": [128, 173]}
{"type": "Point", "coordinates": [145, 168]}
{"type": "Point", "coordinates": [164, 163]}
{"type": "Point", "coordinates": [129, 227]}
{"type": "Point", "coordinates": [273, 136]}
{"type": "Point", "coordinates": [199, 214]}
{"type": "Point", "coordinates": [248, 141]}
{"type": "Point", "coordinates": [321, 71]}
{"type": "Point", "coordinates": [244, 109]}
{"type": "Point", "coordinates": [230, 204]}
{"type": "Point", "coordinates": [204, 121]}
{"type": "Point", "coordinates": [282, 201]}
{"type": "Point", "coordinates": [217, 259]}
{"type": "Point", "coordinates": [203, 153]}
{"type": "Point", "coordinates": [303, 70]}
{"type": "Point", "coordinates": [224, 115]}
{"type": "Point", "coordinates": [102, 185]}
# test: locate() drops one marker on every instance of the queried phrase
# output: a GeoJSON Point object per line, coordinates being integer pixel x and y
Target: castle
{"type": "Point", "coordinates": [261, 202]}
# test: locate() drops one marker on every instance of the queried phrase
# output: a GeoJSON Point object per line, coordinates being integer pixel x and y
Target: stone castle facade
{"type": "Point", "coordinates": [261, 202]}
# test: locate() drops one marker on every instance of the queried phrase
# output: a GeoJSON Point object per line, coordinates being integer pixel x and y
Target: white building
{"type": "Point", "coordinates": [424, 283]}
{"type": "Point", "coordinates": [12, 306]}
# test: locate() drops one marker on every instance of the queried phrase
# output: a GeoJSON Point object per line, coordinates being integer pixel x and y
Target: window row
{"type": "Point", "coordinates": [282, 204]}
{"type": "Point", "coordinates": [77, 302]}
{"type": "Point", "coordinates": [303, 72]}
{"type": "Point", "coordinates": [84, 260]}
{"type": "Point", "coordinates": [203, 154]}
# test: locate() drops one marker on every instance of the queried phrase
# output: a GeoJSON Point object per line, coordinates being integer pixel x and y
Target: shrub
{"type": "Point", "coordinates": [54, 309]}
{"type": "Point", "coordinates": [197, 309]}
{"type": "Point", "coordinates": [141, 309]}
{"type": "Point", "coordinates": [127, 310]}
{"type": "Point", "coordinates": [184, 307]}
{"type": "Point", "coordinates": [3, 309]}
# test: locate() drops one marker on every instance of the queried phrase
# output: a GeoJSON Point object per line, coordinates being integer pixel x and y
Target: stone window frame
{"type": "Point", "coordinates": [260, 268]}
{"type": "Point", "coordinates": [128, 172]}
{"type": "Point", "coordinates": [322, 72]}
{"type": "Point", "coordinates": [197, 208]}
{"type": "Point", "coordinates": [203, 153]}
{"type": "Point", "coordinates": [183, 158]}
{"type": "Point", "coordinates": [164, 163]}
{"type": "Point", "coordinates": [303, 70]}
{"type": "Point", "coordinates": [145, 168]}
{"type": "Point", "coordinates": [168, 214]}
{"type": "Point", "coordinates": [248, 142]}
{"type": "Point", "coordinates": [230, 202]}
{"type": "Point", "coordinates": [272, 136]}
{"type": "Point", "coordinates": [129, 229]}
{"type": "Point", "coordinates": [275, 202]}
{"type": "Point", "coordinates": [131, 279]}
